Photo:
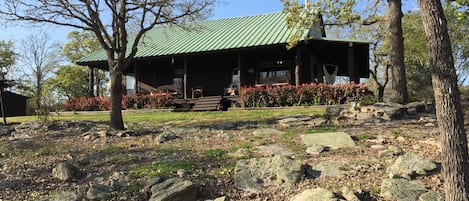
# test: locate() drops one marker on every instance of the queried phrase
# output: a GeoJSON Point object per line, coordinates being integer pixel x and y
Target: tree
{"type": "Point", "coordinates": [396, 44]}
{"type": "Point", "coordinates": [69, 81]}
{"type": "Point", "coordinates": [447, 99]}
{"type": "Point", "coordinates": [7, 56]}
{"type": "Point", "coordinates": [346, 13]}
{"type": "Point", "coordinates": [81, 44]}
{"type": "Point", "coordinates": [108, 20]}
{"type": "Point", "coordinates": [37, 62]}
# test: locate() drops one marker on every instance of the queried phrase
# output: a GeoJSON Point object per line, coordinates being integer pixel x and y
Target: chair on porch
{"type": "Point", "coordinates": [197, 92]}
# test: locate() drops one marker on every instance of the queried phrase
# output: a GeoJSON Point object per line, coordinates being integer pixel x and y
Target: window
{"type": "Point", "coordinates": [274, 76]}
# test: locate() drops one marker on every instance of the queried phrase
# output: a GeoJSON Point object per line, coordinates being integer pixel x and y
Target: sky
{"type": "Point", "coordinates": [226, 9]}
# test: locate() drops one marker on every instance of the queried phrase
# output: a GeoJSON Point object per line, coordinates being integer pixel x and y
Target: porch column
{"type": "Point", "coordinates": [351, 64]}
{"type": "Point", "coordinates": [185, 78]}
{"type": "Point", "coordinates": [91, 82]}
{"type": "Point", "coordinates": [298, 65]}
{"type": "Point", "coordinates": [239, 72]}
{"type": "Point", "coordinates": [136, 79]}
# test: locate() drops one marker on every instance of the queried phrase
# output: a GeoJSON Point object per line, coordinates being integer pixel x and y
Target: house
{"type": "Point", "coordinates": [219, 56]}
{"type": "Point", "coordinates": [14, 104]}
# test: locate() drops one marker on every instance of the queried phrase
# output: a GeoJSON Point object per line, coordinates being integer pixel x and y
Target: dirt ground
{"type": "Point", "coordinates": [209, 155]}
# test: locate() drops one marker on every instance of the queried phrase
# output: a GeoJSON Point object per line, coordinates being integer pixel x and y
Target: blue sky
{"type": "Point", "coordinates": [225, 9]}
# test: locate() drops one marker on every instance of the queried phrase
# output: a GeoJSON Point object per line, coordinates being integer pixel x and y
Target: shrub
{"type": "Point", "coordinates": [306, 94]}
{"type": "Point", "coordinates": [102, 103]}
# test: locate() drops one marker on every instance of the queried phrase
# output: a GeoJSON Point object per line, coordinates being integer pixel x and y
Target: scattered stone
{"type": "Point", "coordinates": [6, 184]}
{"type": "Point", "coordinates": [333, 140]}
{"type": "Point", "coordinates": [377, 146]}
{"type": "Point", "coordinates": [224, 198]}
{"type": "Point", "coordinates": [181, 172]}
{"type": "Point", "coordinates": [333, 111]}
{"type": "Point", "coordinates": [431, 196]}
{"type": "Point", "coordinates": [278, 171]}
{"type": "Point", "coordinates": [65, 171]}
{"type": "Point", "coordinates": [152, 182]}
{"type": "Point", "coordinates": [401, 190]}
{"type": "Point", "coordinates": [5, 130]}
{"type": "Point", "coordinates": [391, 151]}
{"type": "Point", "coordinates": [316, 122]}
{"type": "Point", "coordinates": [98, 192]}
{"type": "Point", "coordinates": [267, 131]}
{"type": "Point", "coordinates": [332, 168]}
{"type": "Point", "coordinates": [274, 149]}
{"type": "Point", "coordinates": [118, 180]}
{"type": "Point", "coordinates": [64, 196]}
{"type": "Point", "coordinates": [414, 108]}
{"type": "Point", "coordinates": [379, 140]}
{"type": "Point", "coordinates": [348, 194]}
{"type": "Point", "coordinates": [410, 164]}
{"type": "Point", "coordinates": [317, 194]}
{"type": "Point", "coordinates": [390, 111]}
{"type": "Point", "coordinates": [173, 189]}
{"type": "Point", "coordinates": [167, 136]}
{"type": "Point", "coordinates": [315, 149]}
{"type": "Point", "coordinates": [432, 142]}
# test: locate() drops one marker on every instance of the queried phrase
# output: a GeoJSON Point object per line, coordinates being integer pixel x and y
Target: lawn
{"type": "Point", "coordinates": [153, 118]}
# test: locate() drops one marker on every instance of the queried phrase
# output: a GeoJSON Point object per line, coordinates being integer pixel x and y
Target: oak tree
{"type": "Point", "coordinates": [447, 100]}
{"type": "Point", "coordinates": [109, 20]}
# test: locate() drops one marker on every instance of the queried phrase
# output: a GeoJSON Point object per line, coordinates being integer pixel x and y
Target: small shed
{"type": "Point", "coordinates": [14, 104]}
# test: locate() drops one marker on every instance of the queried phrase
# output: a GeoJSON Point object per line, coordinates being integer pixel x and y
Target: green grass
{"type": "Point", "coordinates": [182, 118]}
{"type": "Point", "coordinates": [217, 154]}
{"type": "Point", "coordinates": [161, 169]}
{"type": "Point", "coordinates": [364, 136]}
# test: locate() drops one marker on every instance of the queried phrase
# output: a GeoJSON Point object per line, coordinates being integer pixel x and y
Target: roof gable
{"type": "Point", "coordinates": [214, 35]}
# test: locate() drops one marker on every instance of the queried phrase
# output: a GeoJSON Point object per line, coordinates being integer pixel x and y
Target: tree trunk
{"type": "Point", "coordinates": [380, 93]}
{"type": "Point", "coordinates": [447, 99]}
{"type": "Point", "coordinates": [116, 99]}
{"type": "Point", "coordinates": [91, 82]}
{"type": "Point", "coordinates": [396, 42]}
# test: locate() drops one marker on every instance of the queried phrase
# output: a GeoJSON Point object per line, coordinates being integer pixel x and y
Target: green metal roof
{"type": "Point", "coordinates": [213, 35]}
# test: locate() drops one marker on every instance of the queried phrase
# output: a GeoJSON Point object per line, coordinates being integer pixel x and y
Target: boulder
{"type": "Point", "coordinates": [348, 194]}
{"type": "Point", "coordinates": [167, 136]}
{"type": "Point", "coordinates": [331, 168]}
{"type": "Point", "coordinates": [5, 130]}
{"type": "Point", "coordinates": [278, 171]}
{"type": "Point", "coordinates": [98, 192]}
{"type": "Point", "coordinates": [431, 196]}
{"type": "Point", "coordinates": [409, 164]}
{"type": "Point", "coordinates": [390, 110]}
{"type": "Point", "coordinates": [64, 196]}
{"type": "Point", "coordinates": [315, 149]}
{"type": "Point", "coordinates": [274, 149]}
{"type": "Point", "coordinates": [317, 194]}
{"type": "Point", "coordinates": [173, 189]}
{"type": "Point", "coordinates": [391, 151]}
{"type": "Point", "coordinates": [333, 140]}
{"type": "Point", "coordinates": [414, 108]}
{"type": "Point", "coordinates": [402, 190]}
{"type": "Point", "coordinates": [65, 171]}
{"type": "Point", "coordinates": [267, 131]}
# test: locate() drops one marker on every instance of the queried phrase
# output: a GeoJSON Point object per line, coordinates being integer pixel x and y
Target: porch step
{"type": "Point", "coordinates": [208, 103]}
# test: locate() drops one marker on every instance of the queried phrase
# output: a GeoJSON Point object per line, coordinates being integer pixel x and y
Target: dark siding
{"type": "Point", "coordinates": [15, 104]}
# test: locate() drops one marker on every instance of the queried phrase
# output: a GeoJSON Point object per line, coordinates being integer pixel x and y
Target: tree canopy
{"type": "Point", "coordinates": [7, 56]}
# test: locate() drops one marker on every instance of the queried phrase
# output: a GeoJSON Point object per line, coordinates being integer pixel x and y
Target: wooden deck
{"type": "Point", "coordinates": [207, 103]}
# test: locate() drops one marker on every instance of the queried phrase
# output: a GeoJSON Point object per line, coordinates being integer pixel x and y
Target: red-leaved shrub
{"type": "Point", "coordinates": [306, 94]}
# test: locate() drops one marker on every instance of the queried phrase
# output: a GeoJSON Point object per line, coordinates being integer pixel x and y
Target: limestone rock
{"type": "Point", "coordinates": [267, 131]}
{"type": "Point", "coordinates": [278, 171]}
{"type": "Point", "coordinates": [224, 198]}
{"type": "Point", "coordinates": [167, 136]}
{"type": "Point", "coordinates": [317, 194]}
{"type": "Point", "coordinates": [64, 196]}
{"type": "Point", "coordinates": [274, 149]}
{"type": "Point", "coordinates": [315, 149]}
{"type": "Point", "coordinates": [348, 194]}
{"type": "Point", "coordinates": [65, 171]}
{"type": "Point", "coordinates": [431, 196]}
{"type": "Point", "coordinates": [390, 151]}
{"type": "Point", "coordinates": [402, 190]}
{"type": "Point", "coordinates": [410, 164]}
{"type": "Point", "coordinates": [414, 108]}
{"type": "Point", "coordinates": [5, 130]}
{"type": "Point", "coordinates": [173, 189]}
{"type": "Point", "coordinates": [98, 192]}
{"type": "Point", "coordinates": [333, 140]}
{"type": "Point", "coordinates": [331, 168]}
{"type": "Point", "coordinates": [390, 110]}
